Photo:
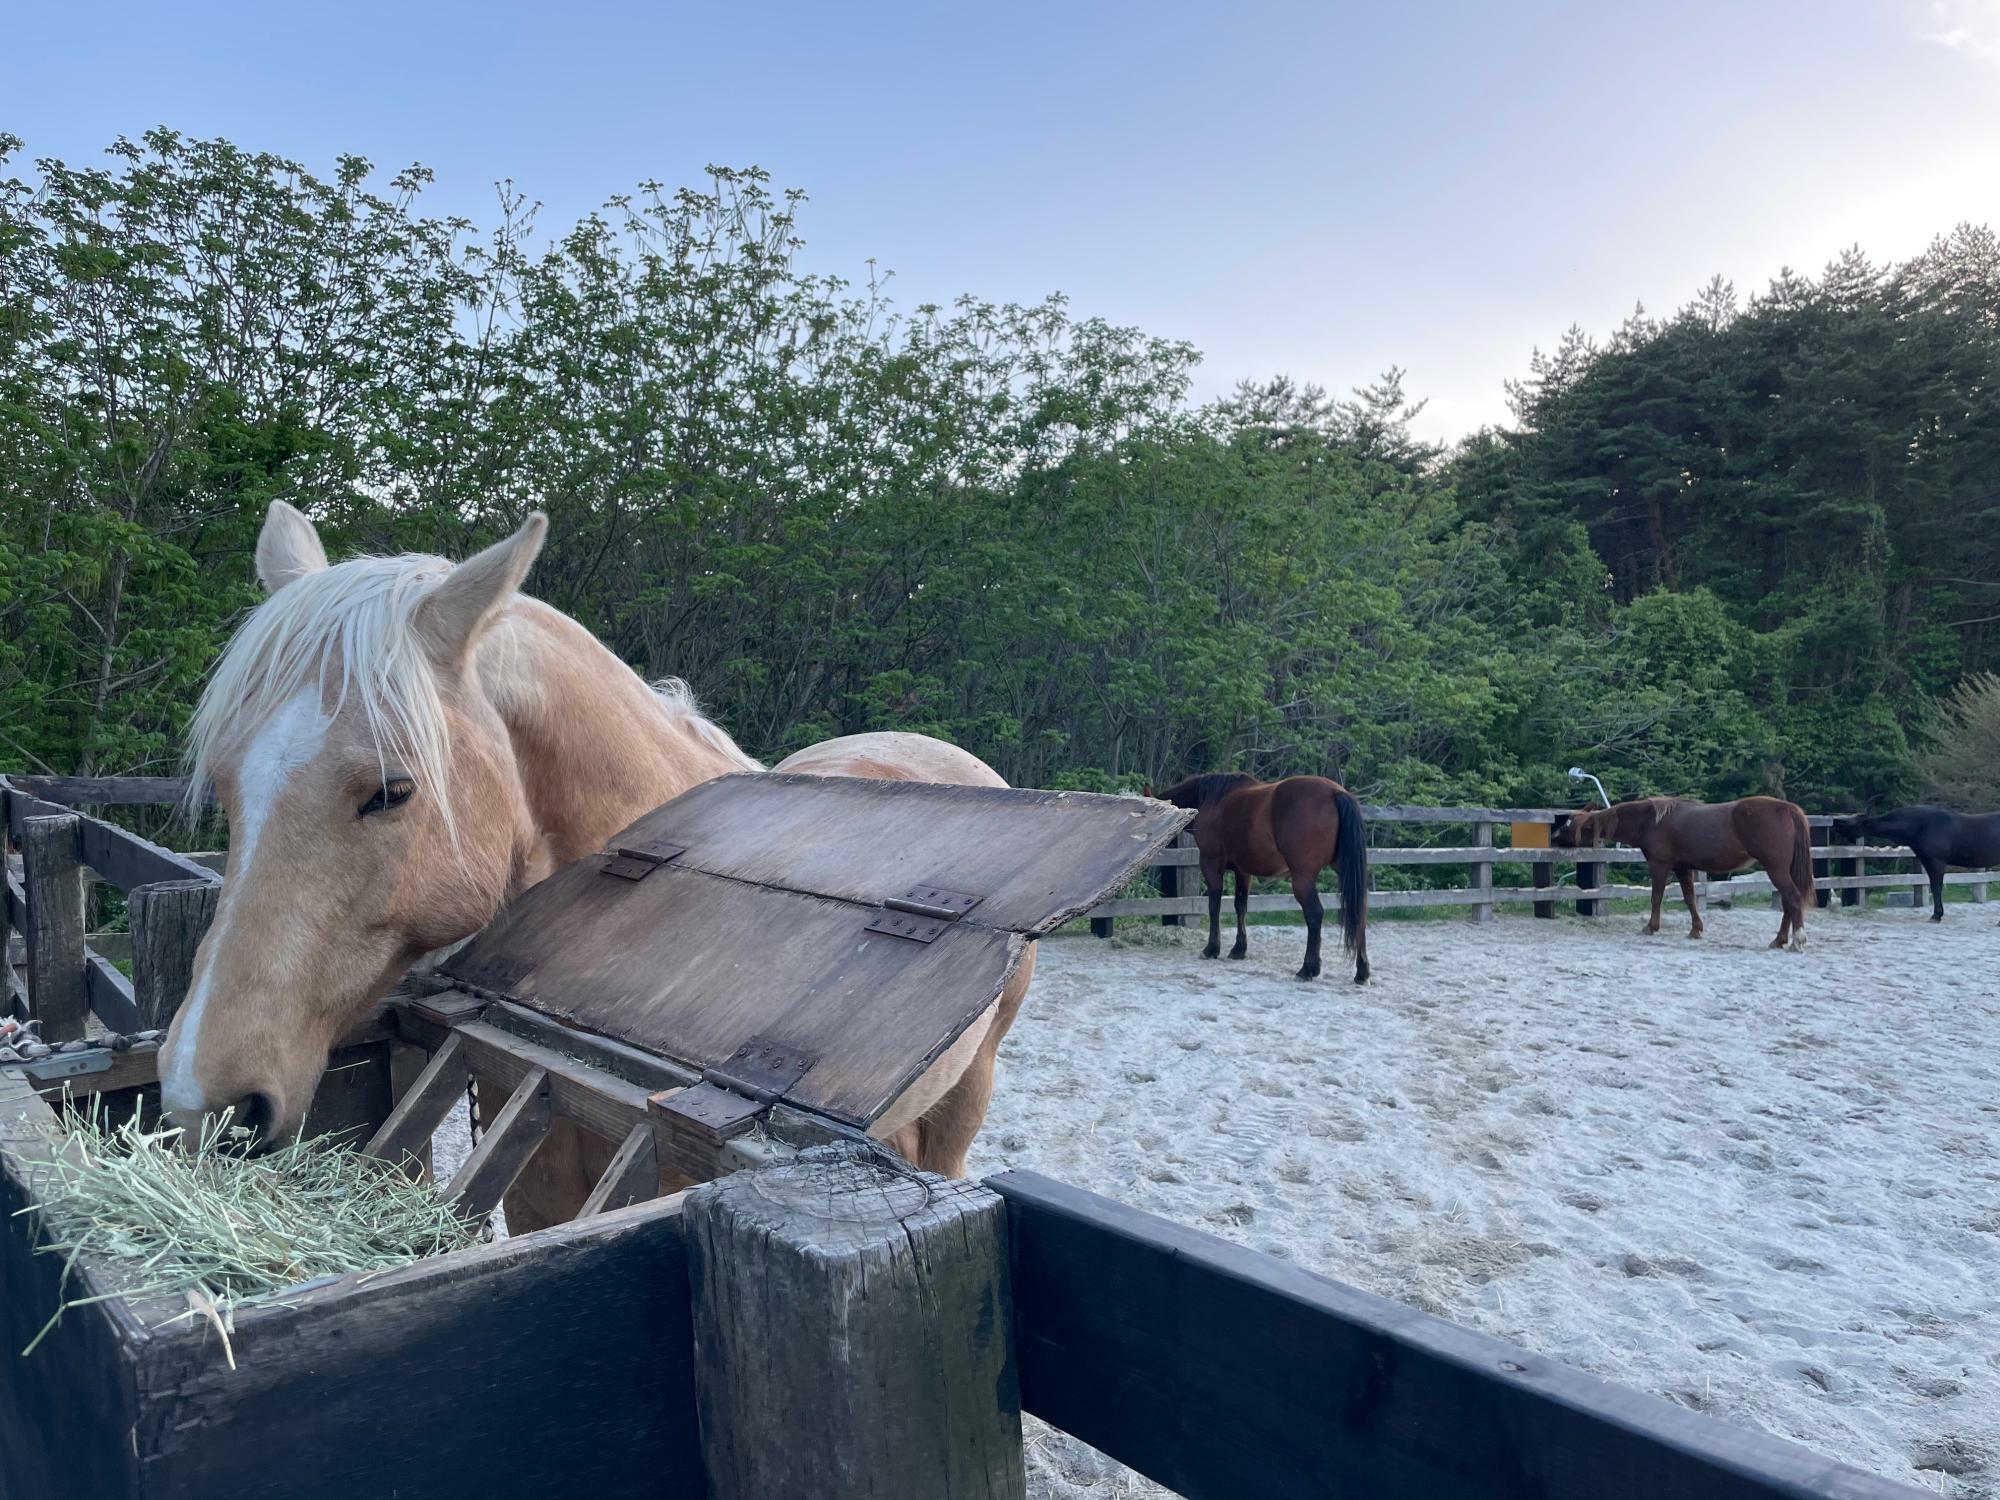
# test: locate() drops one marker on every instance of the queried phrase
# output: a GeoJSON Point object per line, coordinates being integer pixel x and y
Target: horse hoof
{"type": "Point", "coordinates": [1361, 975]}
{"type": "Point", "coordinates": [1310, 971]}
{"type": "Point", "coordinates": [1694, 934]}
{"type": "Point", "coordinates": [1211, 953]}
{"type": "Point", "coordinates": [1239, 952]}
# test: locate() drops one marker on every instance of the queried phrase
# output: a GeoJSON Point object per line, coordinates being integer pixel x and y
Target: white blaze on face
{"type": "Point", "coordinates": [289, 740]}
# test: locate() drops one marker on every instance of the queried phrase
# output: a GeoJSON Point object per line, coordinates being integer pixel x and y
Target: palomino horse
{"type": "Point", "coordinates": [1294, 827]}
{"type": "Point", "coordinates": [401, 746]}
{"type": "Point", "coordinates": [1679, 837]}
{"type": "Point", "coordinates": [1936, 835]}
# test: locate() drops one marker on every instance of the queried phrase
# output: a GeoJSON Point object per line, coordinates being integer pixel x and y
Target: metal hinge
{"type": "Point", "coordinates": [637, 861]}
{"type": "Point", "coordinates": [761, 1069]}
{"type": "Point", "coordinates": [922, 913]}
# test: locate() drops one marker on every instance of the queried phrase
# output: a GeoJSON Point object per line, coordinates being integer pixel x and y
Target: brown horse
{"type": "Point", "coordinates": [1294, 827]}
{"type": "Point", "coordinates": [1680, 837]}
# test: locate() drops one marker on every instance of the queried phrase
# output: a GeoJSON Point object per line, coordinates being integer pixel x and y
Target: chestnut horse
{"type": "Point", "coordinates": [402, 746]}
{"type": "Point", "coordinates": [1936, 835]}
{"type": "Point", "coordinates": [1679, 837]}
{"type": "Point", "coordinates": [1294, 827]}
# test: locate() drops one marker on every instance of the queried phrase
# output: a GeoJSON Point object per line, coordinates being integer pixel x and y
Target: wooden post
{"type": "Point", "coordinates": [168, 921]}
{"type": "Point", "coordinates": [1100, 927]}
{"type": "Point", "coordinates": [1482, 870]}
{"type": "Point", "coordinates": [1545, 876]}
{"type": "Point", "coordinates": [1854, 895]}
{"type": "Point", "coordinates": [1978, 889]}
{"type": "Point", "coordinates": [1588, 874]}
{"type": "Point", "coordinates": [52, 878]}
{"type": "Point", "coordinates": [1821, 869]}
{"type": "Point", "coordinates": [1169, 877]}
{"type": "Point", "coordinates": [853, 1327]}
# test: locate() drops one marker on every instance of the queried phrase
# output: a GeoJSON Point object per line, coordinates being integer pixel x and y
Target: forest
{"type": "Point", "coordinates": [1753, 545]}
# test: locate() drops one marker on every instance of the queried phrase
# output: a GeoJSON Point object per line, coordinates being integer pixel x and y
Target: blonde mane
{"type": "Point", "coordinates": [347, 633]}
{"type": "Point", "coordinates": [678, 699]}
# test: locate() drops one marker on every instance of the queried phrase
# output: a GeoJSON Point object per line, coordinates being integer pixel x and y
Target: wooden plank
{"type": "Point", "coordinates": [1042, 857]}
{"type": "Point", "coordinates": [1228, 1375]}
{"type": "Point", "coordinates": [109, 993]}
{"type": "Point", "coordinates": [17, 903]}
{"type": "Point", "coordinates": [423, 1106]}
{"type": "Point", "coordinates": [53, 882]}
{"type": "Point", "coordinates": [503, 1150]}
{"type": "Point", "coordinates": [662, 964]}
{"type": "Point", "coordinates": [852, 1333]}
{"type": "Point", "coordinates": [601, 1103]}
{"type": "Point", "coordinates": [548, 1364]}
{"type": "Point", "coordinates": [648, 1071]}
{"type": "Point", "coordinates": [633, 1175]}
{"type": "Point", "coordinates": [168, 921]}
{"type": "Point", "coordinates": [106, 791]}
{"type": "Point", "coordinates": [120, 857]}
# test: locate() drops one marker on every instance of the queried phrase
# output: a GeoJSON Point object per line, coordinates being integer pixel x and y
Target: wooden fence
{"type": "Point", "coordinates": [1837, 868]}
{"type": "Point", "coordinates": [684, 1349]}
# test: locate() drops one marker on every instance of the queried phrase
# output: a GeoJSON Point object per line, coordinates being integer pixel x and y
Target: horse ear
{"type": "Point", "coordinates": [456, 613]}
{"type": "Point", "coordinates": [287, 548]}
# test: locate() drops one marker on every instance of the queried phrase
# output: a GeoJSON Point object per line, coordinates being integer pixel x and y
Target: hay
{"type": "Point", "coordinates": [223, 1228]}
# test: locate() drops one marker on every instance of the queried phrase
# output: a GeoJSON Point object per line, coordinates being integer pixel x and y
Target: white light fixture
{"type": "Point", "coordinates": [1577, 773]}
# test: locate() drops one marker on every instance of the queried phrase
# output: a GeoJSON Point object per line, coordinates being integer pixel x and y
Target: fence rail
{"type": "Point", "coordinates": [55, 971]}
{"type": "Point", "coordinates": [1837, 868]}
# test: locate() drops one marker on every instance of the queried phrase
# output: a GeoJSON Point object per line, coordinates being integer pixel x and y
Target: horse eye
{"type": "Point", "coordinates": [389, 794]}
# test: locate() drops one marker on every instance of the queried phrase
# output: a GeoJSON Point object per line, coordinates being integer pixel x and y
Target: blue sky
{"type": "Point", "coordinates": [1322, 189]}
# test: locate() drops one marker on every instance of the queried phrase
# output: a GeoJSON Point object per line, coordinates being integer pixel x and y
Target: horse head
{"type": "Point", "coordinates": [375, 808]}
{"type": "Point", "coordinates": [1577, 830]}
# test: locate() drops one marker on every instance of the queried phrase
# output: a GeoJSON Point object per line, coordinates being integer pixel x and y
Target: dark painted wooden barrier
{"type": "Point", "coordinates": [1229, 1375]}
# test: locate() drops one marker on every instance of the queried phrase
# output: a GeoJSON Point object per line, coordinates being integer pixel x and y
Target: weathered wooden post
{"type": "Point", "coordinates": [853, 1330]}
{"type": "Point", "coordinates": [168, 921]}
{"type": "Point", "coordinates": [52, 879]}
{"type": "Point", "coordinates": [1822, 868]}
{"type": "Point", "coordinates": [1588, 874]}
{"type": "Point", "coordinates": [1482, 870]}
{"type": "Point", "coordinates": [1169, 876]}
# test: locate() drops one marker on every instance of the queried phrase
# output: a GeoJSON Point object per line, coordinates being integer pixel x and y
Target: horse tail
{"type": "Point", "coordinates": [1802, 860]}
{"type": "Point", "coordinates": [1350, 868]}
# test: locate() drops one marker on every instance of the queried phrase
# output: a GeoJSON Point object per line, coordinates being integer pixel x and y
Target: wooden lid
{"type": "Point", "coordinates": [738, 916]}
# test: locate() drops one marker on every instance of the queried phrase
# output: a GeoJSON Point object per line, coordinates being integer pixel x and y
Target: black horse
{"type": "Point", "coordinates": [1938, 837]}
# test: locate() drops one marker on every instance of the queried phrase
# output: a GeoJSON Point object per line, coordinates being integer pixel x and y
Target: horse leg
{"type": "Point", "coordinates": [1306, 889]}
{"type": "Point", "coordinates": [1660, 874]}
{"type": "Point", "coordinates": [1242, 911]}
{"type": "Point", "coordinates": [1934, 868]}
{"type": "Point", "coordinates": [1211, 879]}
{"type": "Point", "coordinates": [1687, 895]}
{"type": "Point", "coordinates": [1791, 926]}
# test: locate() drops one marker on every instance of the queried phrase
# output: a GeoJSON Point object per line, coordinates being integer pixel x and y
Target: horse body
{"type": "Point", "coordinates": [1295, 827]}
{"type": "Point", "coordinates": [1940, 838]}
{"type": "Point", "coordinates": [401, 747]}
{"type": "Point", "coordinates": [1680, 837]}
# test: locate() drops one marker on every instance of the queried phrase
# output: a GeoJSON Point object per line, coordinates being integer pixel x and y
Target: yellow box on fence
{"type": "Point", "coordinates": [1531, 835]}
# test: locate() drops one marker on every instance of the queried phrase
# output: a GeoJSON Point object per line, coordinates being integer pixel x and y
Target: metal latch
{"type": "Point", "coordinates": [637, 861]}
{"type": "Point", "coordinates": [922, 913]}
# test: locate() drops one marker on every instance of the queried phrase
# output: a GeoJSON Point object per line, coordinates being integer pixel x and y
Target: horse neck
{"type": "Point", "coordinates": [594, 745]}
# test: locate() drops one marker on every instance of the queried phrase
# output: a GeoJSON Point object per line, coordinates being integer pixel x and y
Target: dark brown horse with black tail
{"type": "Point", "coordinates": [1294, 827]}
{"type": "Point", "coordinates": [1679, 837]}
{"type": "Point", "coordinates": [1936, 835]}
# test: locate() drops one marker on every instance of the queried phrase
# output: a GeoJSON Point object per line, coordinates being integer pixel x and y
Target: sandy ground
{"type": "Point", "coordinates": [1763, 1185]}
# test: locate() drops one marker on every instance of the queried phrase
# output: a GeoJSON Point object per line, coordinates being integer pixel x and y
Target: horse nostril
{"type": "Point", "coordinates": [253, 1112]}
